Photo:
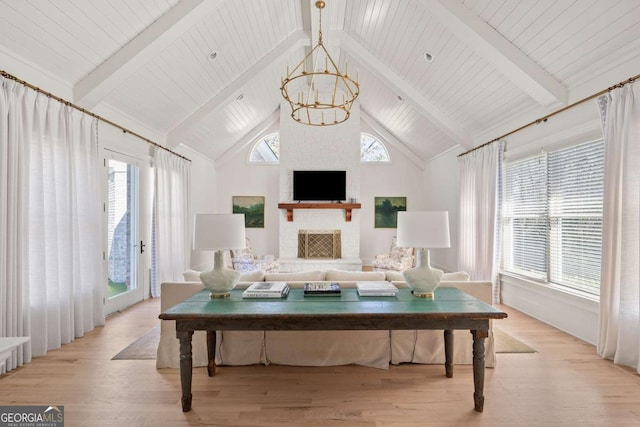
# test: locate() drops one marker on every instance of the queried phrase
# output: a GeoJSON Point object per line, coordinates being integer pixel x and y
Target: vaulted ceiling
{"type": "Point", "coordinates": [206, 73]}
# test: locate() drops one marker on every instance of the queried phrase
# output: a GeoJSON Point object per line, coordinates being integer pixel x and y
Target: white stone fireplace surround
{"type": "Point", "coordinates": [319, 219]}
{"type": "Point", "coordinates": [319, 148]}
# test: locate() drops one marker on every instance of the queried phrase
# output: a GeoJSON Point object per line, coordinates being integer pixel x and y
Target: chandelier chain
{"type": "Point", "coordinates": [320, 29]}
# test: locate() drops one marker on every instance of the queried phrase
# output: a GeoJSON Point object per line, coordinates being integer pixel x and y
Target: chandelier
{"type": "Point", "coordinates": [322, 96]}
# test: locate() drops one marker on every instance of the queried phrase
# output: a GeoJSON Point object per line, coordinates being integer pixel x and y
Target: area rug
{"type": "Point", "coordinates": [505, 343]}
{"type": "Point", "coordinates": [144, 348]}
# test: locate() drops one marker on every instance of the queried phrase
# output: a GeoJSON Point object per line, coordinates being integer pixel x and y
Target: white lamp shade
{"type": "Point", "coordinates": [423, 229]}
{"type": "Point", "coordinates": [218, 231]}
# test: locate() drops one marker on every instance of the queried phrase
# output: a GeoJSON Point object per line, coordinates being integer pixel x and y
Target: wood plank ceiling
{"type": "Point", "coordinates": [494, 62]}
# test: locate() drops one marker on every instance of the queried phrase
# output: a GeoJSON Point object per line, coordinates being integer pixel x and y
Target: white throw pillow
{"type": "Point", "coordinates": [191, 276]}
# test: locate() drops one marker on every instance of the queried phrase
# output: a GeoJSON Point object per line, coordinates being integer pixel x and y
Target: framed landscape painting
{"type": "Point", "coordinates": [386, 211]}
{"type": "Point", "coordinates": [253, 209]}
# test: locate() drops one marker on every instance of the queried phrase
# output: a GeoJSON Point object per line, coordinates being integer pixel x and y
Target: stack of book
{"type": "Point", "coordinates": [376, 289]}
{"type": "Point", "coordinates": [321, 289]}
{"type": "Point", "coordinates": [266, 290]}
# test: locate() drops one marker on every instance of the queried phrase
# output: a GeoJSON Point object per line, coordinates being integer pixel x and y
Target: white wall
{"type": "Point", "coordinates": [204, 192]}
{"type": "Point", "coordinates": [402, 178]}
{"type": "Point", "coordinates": [555, 306]}
{"type": "Point", "coordinates": [572, 313]}
{"type": "Point", "coordinates": [442, 186]}
{"type": "Point", "coordinates": [235, 176]}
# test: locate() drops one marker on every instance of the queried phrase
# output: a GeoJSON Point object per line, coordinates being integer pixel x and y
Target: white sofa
{"type": "Point", "coordinates": [321, 348]}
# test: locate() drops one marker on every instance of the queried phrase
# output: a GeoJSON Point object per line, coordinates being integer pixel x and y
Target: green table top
{"type": "Point", "coordinates": [446, 301]}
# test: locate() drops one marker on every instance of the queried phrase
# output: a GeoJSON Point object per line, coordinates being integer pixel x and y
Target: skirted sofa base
{"type": "Point", "coordinates": [321, 348]}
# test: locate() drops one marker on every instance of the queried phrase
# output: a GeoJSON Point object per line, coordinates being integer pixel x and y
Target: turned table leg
{"type": "Point", "coordinates": [448, 353]}
{"type": "Point", "coordinates": [478, 367]}
{"type": "Point", "coordinates": [186, 365]}
{"type": "Point", "coordinates": [211, 353]}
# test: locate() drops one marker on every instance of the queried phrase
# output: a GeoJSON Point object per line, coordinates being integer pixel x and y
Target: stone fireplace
{"type": "Point", "coordinates": [319, 239]}
{"type": "Point", "coordinates": [319, 244]}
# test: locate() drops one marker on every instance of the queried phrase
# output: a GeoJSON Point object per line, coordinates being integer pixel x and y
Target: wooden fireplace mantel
{"type": "Point", "coordinates": [346, 206]}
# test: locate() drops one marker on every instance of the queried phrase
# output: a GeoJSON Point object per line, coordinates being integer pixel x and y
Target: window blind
{"type": "Point", "coordinates": [552, 216]}
{"type": "Point", "coordinates": [576, 178]}
{"type": "Point", "coordinates": [525, 218]}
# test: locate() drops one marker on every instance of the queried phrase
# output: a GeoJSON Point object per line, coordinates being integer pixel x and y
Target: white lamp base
{"type": "Point", "coordinates": [220, 280]}
{"type": "Point", "coordinates": [423, 279]}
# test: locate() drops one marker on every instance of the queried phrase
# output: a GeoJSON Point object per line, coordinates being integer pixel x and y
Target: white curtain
{"type": "Point", "coordinates": [171, 240]}
{"type": "Point", "coordinates": [14, 208]}
{"type": "Point", "coordinates": [51, 275]}
{"type": "Point", "coordinates": [479, 231]}
{"type": "Point", "coordinates": [619, 323]}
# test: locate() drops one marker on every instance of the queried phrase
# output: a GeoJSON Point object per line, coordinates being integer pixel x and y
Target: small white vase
{"type": "Point", "coordinates": [423, 279]}
{"type": "Point", "coordinates": [220, 280]}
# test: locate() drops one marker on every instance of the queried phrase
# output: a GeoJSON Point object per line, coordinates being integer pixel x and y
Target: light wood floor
{"type": "Point", "coordinates": [565, 383]}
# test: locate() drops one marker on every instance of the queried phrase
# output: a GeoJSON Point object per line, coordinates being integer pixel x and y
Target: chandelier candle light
{"type": "Point", "coordinates": [423, 231]}
{"type": "Point", "coordinates": [330, 94]}
{"type": "Point", "coordinates": [219, 232]}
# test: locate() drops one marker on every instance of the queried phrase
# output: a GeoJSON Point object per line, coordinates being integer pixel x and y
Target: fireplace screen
{"type": "Point", "coordinates": [319, 244]}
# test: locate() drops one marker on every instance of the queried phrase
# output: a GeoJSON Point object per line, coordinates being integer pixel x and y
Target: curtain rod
{"type": "Point", "coordinates": [544, 118]}
{"type": "Point", "coordinates": [70, 104]}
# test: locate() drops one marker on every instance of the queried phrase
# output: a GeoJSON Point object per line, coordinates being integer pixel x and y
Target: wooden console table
{"type": "Point", "coordinates": [450, 309]}
{"type": "Point", "coordinates": [346, 206]}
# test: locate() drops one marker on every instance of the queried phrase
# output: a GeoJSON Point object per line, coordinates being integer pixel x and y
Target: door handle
{"type": "Point", "coordinates": [142, 245]}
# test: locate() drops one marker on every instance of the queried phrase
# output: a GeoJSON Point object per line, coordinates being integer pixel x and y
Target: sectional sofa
{"type": "Point", "coordinates": [321, 348]}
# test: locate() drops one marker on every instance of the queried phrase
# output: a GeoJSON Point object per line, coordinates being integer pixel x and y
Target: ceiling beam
{"type": "Point", "coordinates": [247, 139]}
{"type": "Point", "coordinates": [445, 123]}
{"type": "Point", "coordinates": [391, 139]}
{"type": "Point", "coordinates": [314, 16]}
{"type": "Point", "coordinates": [500, 52]}
{"type": "Point", "coordinates": [96, 85]}
{"type": "Point", "coordinates": [295, 40]}
{"type": "Point", "coordinates": [309, 26]}
{"type": "Point", "coordinates": [305, 12]}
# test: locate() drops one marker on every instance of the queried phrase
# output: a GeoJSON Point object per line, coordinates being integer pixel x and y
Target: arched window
{"type": "Point", "coordinates": [266, 150]}
{"type": "Point", "coordinates": [372, 150]}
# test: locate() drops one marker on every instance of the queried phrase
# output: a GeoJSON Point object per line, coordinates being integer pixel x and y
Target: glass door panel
{"type": "Point", "coordinates": [123, 242]}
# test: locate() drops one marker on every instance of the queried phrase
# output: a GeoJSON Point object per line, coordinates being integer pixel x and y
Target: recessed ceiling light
{"type": "Point", "coordinates": [428, 57]}
{"type": "Point", "coordinates": [212, 56]}
{"type": "Point", "coordinates": [240, 97]}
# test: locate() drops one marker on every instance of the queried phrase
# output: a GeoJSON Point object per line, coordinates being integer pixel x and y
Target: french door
{"type": "Point", "coordinates": [125, 252]}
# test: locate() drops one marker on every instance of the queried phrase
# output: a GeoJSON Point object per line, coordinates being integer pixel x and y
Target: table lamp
{"type": "Point", "coordinates": [423, 231]}
{"type": "Point", "coordinates": [219, 232]}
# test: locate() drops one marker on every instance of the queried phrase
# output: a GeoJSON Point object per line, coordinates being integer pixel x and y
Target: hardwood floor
{"type": "Point", "coordinates": [565, 383]}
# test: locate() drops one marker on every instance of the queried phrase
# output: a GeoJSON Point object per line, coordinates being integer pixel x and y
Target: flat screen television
{"type": "Point", "coordinates": [319, 185]}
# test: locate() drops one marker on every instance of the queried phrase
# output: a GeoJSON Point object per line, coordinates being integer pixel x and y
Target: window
{"type": "Point", "coordinates": [266, 150]}
{"type": "Point", "coordinates": [552, 216]}
{"type": "Point", "coordinates": [372, 150]}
